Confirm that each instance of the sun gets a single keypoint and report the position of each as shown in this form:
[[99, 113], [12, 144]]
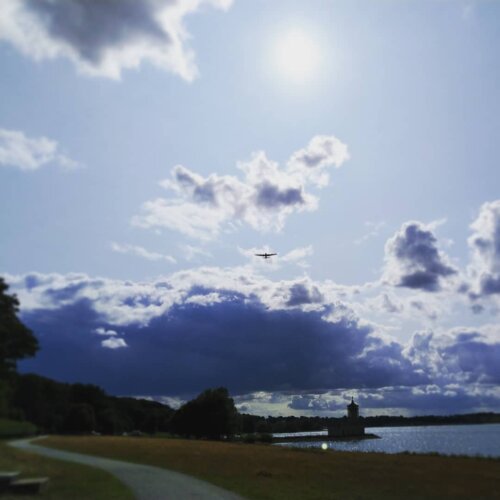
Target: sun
[[296, 56]]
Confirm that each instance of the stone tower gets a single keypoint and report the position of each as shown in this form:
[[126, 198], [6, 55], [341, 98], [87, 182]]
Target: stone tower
[[352, 410]]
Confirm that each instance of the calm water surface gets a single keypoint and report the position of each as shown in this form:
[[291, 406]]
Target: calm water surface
[[481, 439]]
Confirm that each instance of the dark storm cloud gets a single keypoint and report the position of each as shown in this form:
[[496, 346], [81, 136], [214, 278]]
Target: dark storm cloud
[[92, 27], [237, 343], [425, 399], [476, 358], [429, 399], [414, 260], [179, 336]]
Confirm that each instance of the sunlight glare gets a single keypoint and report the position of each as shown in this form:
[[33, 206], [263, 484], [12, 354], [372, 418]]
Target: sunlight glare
[[296, 56]]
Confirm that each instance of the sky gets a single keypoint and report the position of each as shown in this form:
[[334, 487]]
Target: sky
[[149, 149]]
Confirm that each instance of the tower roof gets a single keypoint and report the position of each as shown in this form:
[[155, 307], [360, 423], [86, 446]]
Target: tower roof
[[352, 404]]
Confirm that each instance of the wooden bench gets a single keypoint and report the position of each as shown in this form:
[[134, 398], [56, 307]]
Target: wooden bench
[[6, 479], [27, 486]]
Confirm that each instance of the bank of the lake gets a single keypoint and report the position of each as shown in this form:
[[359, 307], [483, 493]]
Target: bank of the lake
[[272, 472], [472, 440]]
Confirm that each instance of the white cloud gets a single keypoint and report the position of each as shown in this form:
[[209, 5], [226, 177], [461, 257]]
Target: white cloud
[[114, 343], [263, 199], [188, 218], [103, 331], [141, 252], [322, 151], [485, 247], [28, 154], [121, 302], [102, 38], [204, 300]]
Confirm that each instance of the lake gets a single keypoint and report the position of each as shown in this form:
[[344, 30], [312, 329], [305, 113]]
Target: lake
[[483, 439]]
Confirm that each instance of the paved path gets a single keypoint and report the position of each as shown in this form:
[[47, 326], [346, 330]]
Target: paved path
[[147, 482]]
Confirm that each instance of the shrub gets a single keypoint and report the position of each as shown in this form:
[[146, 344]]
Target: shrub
[[14, 428]]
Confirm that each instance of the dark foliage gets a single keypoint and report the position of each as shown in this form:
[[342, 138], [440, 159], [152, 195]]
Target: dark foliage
[[16, 340], [81, 418], [57, 407], [211, 415]]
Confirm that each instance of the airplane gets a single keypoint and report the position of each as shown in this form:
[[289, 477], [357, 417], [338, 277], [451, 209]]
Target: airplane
[[265, 255]]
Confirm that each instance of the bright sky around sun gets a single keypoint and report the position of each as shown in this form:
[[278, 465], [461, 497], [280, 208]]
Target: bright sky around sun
[[149, 149], [296, 57]]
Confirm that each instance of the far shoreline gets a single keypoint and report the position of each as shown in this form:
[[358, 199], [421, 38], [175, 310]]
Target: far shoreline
[[322, 437]]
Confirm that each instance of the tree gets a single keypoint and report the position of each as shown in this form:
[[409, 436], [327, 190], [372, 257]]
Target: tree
[[16, 340], [211, 415], [81, 418]]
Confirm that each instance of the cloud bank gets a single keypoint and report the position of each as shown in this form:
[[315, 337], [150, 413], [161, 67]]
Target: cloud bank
[[207, 327]]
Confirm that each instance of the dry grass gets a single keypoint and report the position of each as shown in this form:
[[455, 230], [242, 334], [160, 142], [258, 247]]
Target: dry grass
[[269, 472], [67, 481]]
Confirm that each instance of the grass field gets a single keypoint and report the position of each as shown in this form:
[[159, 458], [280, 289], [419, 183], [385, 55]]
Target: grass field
[[67, 481], [269, 472]]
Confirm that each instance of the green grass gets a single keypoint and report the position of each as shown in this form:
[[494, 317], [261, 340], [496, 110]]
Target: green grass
[[271, 472], [14, 428], [67, 480]]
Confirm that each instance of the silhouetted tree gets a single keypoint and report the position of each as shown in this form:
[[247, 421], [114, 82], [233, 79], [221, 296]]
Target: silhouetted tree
[[42, 401], [16, 342], [81, 418], [110, 421], [211, 415]]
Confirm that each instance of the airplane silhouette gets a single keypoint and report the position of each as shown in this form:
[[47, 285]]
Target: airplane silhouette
[[265, 255]]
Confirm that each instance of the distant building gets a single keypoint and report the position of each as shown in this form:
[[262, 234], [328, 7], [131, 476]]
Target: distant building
[[350, 425]]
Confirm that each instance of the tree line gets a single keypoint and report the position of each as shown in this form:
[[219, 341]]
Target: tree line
[[289, 424], [56, 407]]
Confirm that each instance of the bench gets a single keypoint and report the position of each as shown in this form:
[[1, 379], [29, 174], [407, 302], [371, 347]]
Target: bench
[[27, 486], [6, 479]]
